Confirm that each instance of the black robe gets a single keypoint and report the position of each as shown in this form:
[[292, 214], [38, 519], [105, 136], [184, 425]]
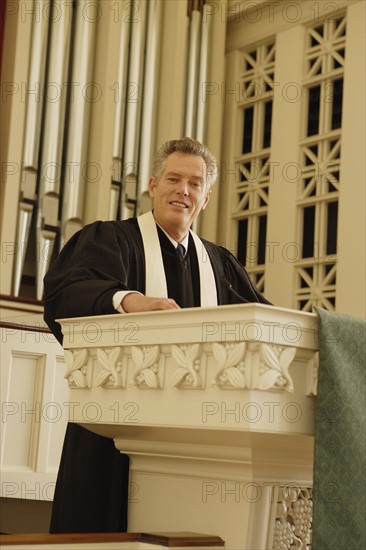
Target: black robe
[[92, 486]]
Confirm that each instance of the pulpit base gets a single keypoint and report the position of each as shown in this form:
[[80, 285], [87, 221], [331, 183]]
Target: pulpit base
[[180, 480]]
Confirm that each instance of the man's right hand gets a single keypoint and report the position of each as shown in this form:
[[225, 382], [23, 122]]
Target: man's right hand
[[134, 302]]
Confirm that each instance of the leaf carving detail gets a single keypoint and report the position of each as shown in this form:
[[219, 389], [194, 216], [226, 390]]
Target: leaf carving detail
[[179, 356], [79, 379], [108, 362], [192, 353], [69, 359], [80, 359], [229, 361], [235, 377], [103, 359], [178, 376], [75, 361], [287, 356], [220, 354], [151, 378], [151, 357], [186, 361], [269, 357], [268, 379], [102, 377], [144, 363], [236, 355], [113, 356], [259, 368], [138, 356], [277, 367]]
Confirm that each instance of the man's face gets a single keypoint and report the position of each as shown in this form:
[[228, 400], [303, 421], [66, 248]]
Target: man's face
[[180, 194]]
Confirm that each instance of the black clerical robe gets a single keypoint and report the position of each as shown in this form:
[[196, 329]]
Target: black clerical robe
[[92, 487]]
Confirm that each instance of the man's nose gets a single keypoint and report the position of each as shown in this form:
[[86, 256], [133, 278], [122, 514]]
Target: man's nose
[[183, 188]]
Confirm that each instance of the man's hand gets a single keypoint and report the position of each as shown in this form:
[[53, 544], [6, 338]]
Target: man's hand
[[134, 302]]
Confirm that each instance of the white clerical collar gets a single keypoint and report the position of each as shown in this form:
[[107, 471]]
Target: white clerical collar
[[155, 280]]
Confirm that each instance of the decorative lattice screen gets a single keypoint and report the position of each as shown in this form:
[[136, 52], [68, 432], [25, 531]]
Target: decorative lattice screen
[[253, 164], [320, 165]]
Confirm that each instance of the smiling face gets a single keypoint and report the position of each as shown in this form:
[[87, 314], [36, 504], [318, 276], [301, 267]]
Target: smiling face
[[180, 193]]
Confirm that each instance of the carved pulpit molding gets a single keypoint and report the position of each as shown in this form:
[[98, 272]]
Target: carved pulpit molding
[[249, 343], [252, 365]]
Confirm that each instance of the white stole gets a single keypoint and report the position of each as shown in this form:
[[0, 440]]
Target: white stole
[[154, 267]]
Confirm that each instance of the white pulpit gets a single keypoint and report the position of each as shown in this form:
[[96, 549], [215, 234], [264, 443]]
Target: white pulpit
[[214, 406]]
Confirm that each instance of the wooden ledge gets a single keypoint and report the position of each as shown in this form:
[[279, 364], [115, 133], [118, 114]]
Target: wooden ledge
[[170, 540], [67, 538], [23, 326], [174, 540]]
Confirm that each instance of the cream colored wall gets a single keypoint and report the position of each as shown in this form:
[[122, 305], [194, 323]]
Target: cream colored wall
[[211, 93], [282, 196]]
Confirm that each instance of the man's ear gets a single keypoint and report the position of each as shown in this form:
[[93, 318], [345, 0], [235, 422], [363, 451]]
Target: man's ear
[[152, 185], [207, 198]]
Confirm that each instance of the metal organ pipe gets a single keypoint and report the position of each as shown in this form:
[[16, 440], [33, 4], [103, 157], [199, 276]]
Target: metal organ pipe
[[120, 115], [203, 75], [30, 168], [52, 143], [76, 169], [133, 110], [147, 144], [192, 74]]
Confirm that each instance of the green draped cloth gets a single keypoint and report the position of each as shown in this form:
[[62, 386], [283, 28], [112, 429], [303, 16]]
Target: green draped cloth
[[339, 520]]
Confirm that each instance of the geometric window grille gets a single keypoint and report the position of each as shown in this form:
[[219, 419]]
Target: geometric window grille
[[253, 164], [320, 163]]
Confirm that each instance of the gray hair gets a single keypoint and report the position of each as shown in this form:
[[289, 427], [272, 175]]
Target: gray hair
[[187, 146]]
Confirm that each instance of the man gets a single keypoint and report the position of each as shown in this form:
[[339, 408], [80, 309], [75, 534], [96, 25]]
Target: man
[[150, 263]]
